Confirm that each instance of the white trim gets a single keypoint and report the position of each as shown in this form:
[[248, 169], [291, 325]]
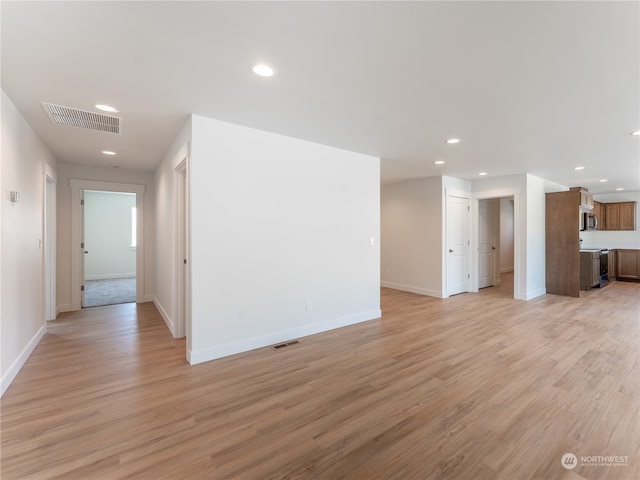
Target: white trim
[[77, 186], [531, 295], [65, 307], [164, 314], [412, 289], [233, 348], [21, 360], [148, 298]]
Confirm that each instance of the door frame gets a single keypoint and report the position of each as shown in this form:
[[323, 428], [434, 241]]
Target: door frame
[[181, 253], [77, 275], [517, 232]]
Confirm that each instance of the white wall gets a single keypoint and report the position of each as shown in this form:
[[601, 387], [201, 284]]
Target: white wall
[[277, 222], [165, 235], [25, 160], [411, 214], [615, 239], [535, 236], [66, 172], [107, 237], [506, 235]]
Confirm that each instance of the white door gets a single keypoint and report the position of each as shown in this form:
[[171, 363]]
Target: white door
[[457, 245], [487, 243]]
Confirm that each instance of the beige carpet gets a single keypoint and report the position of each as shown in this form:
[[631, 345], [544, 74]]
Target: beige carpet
[[109, 292]]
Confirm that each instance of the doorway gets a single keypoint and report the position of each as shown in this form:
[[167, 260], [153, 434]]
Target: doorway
[[110, 243], [78, 187], [488, 242], [494, 252]]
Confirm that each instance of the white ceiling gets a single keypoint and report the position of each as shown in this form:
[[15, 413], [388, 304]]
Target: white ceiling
[[537, 87]]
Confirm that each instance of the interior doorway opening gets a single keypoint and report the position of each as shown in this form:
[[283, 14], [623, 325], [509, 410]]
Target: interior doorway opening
[[496, 241], [110, 244], [78, 187]]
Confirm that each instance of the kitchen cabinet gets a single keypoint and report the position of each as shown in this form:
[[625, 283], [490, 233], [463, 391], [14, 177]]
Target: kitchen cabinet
[[612, 263], [599, 211], [620, 216], [562, 242], [627, 264], [589, 269]]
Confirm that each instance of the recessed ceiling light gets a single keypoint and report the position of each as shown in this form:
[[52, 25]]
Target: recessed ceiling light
[[602, 180], [453, 140], [636, 133], [107, 108], [619, 189], [482, 174], [108, 152], [579, 168], [263, 70], [439, 162]]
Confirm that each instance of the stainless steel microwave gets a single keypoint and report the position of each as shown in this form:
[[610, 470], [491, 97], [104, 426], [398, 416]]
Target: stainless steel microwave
[[589, 221]]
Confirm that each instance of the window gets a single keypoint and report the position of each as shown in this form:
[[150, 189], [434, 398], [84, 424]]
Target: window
[[134, 224]]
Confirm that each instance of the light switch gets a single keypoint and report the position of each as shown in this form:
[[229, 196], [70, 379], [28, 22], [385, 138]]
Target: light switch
[[372, 242]]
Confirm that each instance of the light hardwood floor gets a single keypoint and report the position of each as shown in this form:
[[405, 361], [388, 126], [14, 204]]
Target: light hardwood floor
[[477, 386]]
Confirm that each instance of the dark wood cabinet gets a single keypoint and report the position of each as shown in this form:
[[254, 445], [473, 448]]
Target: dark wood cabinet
[[612, 264], [599, 211], [562, 242], [619, 216], [627, 218], [589, 269], [627, 264]]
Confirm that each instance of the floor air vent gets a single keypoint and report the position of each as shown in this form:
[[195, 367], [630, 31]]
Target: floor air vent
[[73, 117], [286, 344]]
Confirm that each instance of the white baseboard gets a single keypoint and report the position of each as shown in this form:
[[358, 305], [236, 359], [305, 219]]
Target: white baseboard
[[21, 360], [110, 276], [65, 307], [412, 289], [219, 351], [531, 295], [165, 316]]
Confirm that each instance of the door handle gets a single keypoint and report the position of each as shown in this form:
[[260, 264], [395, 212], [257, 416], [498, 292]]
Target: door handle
[[86, 251], [493, 248], [451, 250]]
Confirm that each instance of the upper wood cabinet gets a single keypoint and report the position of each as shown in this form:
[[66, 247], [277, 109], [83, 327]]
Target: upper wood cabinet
[[619, 216], [599, 211]]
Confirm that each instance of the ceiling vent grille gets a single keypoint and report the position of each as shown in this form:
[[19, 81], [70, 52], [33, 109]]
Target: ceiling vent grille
[[72, 117]]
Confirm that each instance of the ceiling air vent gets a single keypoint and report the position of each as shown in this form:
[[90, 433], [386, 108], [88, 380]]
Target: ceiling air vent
[[72, 117]]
